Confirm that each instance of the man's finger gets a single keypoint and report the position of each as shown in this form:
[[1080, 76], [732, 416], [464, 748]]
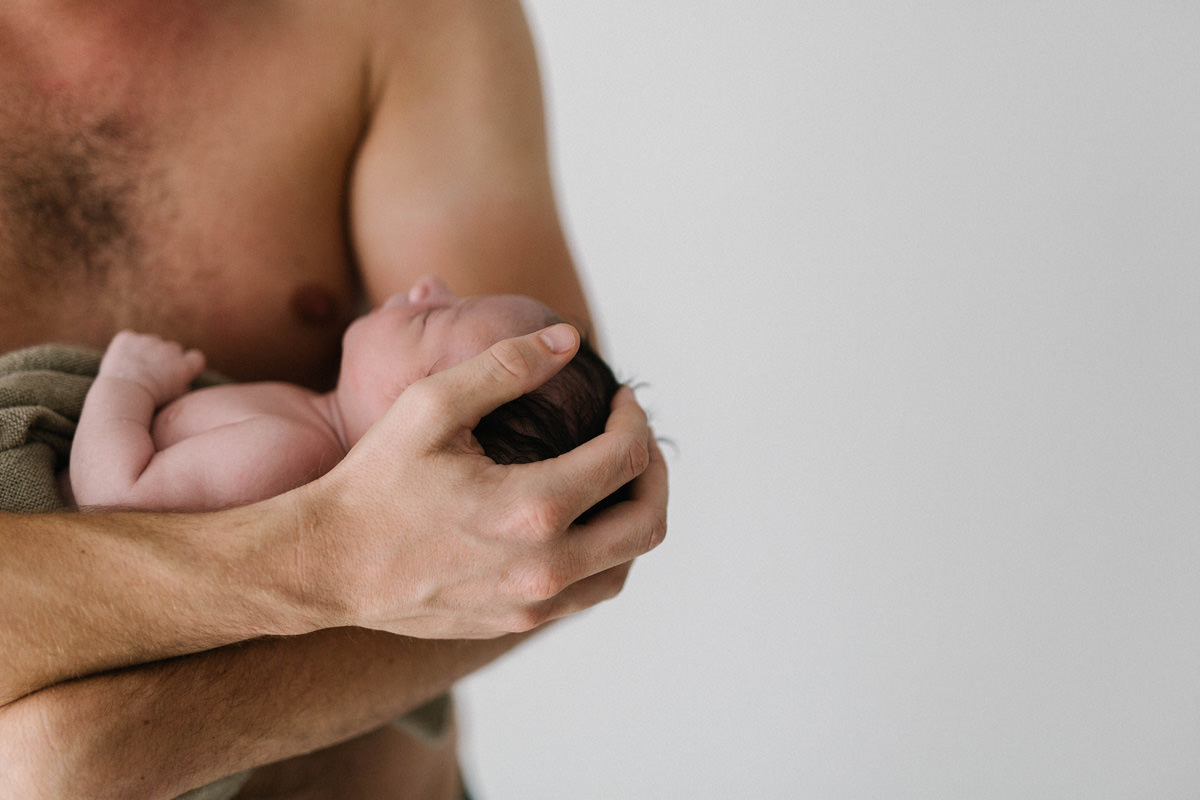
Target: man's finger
[[588, 592], [629, 529], [602, 551], [579, 479], [459, 397]]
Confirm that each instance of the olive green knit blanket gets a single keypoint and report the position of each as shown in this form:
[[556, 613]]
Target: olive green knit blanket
[[41, 394]]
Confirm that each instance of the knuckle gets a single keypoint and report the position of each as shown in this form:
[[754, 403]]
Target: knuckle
[[638, 458], [544, 584], [533, 589], [539, 518], [508, 358], [521, 622], [525, 619], [658, 530], [427, 401]]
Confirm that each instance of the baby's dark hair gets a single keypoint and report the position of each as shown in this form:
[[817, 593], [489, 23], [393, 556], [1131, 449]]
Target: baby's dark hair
[[566, 411]]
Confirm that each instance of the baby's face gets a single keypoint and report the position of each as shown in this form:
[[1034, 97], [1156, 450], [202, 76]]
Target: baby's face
[[428, 329]]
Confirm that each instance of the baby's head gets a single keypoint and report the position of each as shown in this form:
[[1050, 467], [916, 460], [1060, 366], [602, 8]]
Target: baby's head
[[558, 416], [430, 328]]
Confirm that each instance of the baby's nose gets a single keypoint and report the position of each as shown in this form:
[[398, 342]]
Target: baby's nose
[[427, 287]]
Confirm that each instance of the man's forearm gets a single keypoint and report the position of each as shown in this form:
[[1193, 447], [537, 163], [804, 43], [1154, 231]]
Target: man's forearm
[[411, 533], [91, 592], [161, 729]]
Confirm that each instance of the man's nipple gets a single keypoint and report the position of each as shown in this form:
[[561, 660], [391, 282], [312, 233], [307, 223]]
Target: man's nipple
[[315, 306]]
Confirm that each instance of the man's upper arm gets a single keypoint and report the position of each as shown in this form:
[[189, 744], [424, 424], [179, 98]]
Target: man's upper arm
[[452, 177]]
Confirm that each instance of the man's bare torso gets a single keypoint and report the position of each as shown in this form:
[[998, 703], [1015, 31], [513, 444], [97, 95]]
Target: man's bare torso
[[184, 168], [180, 168]]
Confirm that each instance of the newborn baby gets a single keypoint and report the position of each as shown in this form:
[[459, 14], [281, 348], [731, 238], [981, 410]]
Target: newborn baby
[[145, 442]]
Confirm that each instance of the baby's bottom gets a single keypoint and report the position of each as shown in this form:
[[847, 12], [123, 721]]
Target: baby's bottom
[[386, 762]]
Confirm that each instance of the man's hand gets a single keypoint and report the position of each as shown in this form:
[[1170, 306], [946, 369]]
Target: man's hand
[[417, 532]]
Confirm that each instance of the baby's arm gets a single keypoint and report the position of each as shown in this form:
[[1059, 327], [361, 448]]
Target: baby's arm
[[246, 444], [113, 446]]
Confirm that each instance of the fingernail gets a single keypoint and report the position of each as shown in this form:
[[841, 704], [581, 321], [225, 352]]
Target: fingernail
[[559, 338]]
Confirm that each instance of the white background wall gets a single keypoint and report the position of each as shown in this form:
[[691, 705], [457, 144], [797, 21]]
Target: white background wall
[[916, 289]]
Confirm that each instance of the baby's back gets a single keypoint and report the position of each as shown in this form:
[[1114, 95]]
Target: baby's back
[[240, 443]]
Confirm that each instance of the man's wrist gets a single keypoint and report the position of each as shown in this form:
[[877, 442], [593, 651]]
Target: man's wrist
[[287, 566]]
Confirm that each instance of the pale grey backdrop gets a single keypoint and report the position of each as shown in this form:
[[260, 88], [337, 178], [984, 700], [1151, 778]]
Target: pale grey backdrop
[[915, 288]]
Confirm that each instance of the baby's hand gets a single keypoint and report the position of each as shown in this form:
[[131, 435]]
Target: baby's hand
[[164, 369]]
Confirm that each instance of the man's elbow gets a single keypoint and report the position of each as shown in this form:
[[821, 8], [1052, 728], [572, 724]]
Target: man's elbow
[[50, 751], [74, 740], [32, 763]]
